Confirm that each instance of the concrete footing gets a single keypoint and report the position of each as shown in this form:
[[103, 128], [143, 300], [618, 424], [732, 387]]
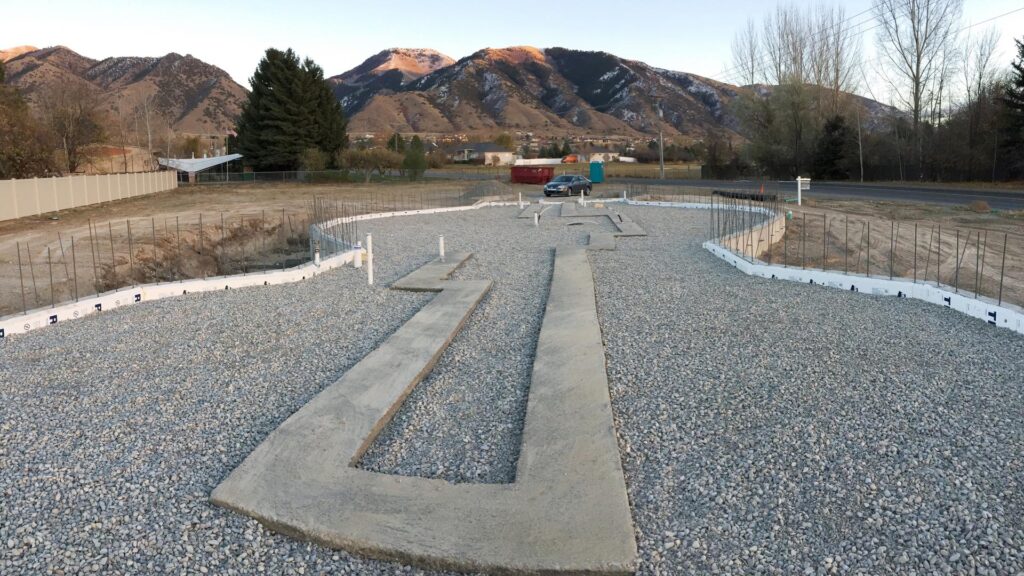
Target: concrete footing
[[566, 513]]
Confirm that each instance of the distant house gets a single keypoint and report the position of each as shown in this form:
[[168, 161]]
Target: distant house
[[487, 153], [602, 154]]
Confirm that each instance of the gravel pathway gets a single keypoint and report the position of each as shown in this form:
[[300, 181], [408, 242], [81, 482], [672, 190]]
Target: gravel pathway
[[770, 427], [762, 430]]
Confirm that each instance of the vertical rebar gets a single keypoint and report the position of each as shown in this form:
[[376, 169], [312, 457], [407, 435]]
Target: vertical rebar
[[1003, 268], [824, 240], [915, 252], [74, 267], [92, 252], [32, 272], [867, 261], [846, 248], [21, 279], [803, 240], [977, 262], [892, 244], [63, 257], [177, 232], [221, 244], [49, 264], [131, 249], [241, 242], [938, 259], [200, 233], [956, 275], [110, 233], [984, 254]]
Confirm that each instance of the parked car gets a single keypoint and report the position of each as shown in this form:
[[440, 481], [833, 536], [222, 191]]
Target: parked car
[[569, 185]]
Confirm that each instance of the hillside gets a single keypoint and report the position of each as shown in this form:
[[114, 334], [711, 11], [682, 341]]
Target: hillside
[[183, 93], [550, 92], [553, 91]]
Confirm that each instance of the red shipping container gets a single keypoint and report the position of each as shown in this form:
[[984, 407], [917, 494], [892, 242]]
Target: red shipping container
[[532, 174]]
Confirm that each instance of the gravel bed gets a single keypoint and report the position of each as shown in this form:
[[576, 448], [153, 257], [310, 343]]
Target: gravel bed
[[761, 429], [115, 428], [770, 427], [464, 422]]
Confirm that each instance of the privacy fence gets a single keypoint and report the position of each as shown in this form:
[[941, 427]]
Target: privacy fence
[[35, 196]]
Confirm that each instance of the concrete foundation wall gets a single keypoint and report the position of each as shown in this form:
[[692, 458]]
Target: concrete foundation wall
[[32, 197]]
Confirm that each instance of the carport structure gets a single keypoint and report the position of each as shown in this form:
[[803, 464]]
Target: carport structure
[[193, 165]]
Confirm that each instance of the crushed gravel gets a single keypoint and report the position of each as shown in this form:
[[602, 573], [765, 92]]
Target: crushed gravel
[[770, 427], [765, 427]]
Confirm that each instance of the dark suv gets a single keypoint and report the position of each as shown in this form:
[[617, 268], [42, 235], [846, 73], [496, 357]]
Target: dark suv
[[568, 185]]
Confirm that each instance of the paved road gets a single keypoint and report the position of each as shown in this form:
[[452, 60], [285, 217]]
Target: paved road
[[998, 199]]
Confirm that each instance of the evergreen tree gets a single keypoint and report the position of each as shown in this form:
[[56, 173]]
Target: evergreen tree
[[289, 111], [1014, 101], [829, 157], [396, 143], [415, 161], [566, 148], [3, 74]]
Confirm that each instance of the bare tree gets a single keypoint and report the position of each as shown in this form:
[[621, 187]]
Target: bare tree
[[746, 54], [71, 112], [979, 76], [844, 51], [912, 39]]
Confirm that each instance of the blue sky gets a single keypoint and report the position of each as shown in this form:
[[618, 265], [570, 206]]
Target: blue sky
[[688, 36]]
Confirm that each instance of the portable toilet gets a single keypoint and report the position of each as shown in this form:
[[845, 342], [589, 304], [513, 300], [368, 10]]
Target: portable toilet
[[596, 172]]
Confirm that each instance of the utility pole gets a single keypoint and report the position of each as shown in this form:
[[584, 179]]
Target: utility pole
[[661, 154]]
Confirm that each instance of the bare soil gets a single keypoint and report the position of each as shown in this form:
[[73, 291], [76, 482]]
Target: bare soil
[[189, 232]]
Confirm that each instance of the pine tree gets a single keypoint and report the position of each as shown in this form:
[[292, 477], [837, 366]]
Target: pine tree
[[396, 143], [3, 74], [415, 161], [289, 111], [1014, 100], [831, 151]]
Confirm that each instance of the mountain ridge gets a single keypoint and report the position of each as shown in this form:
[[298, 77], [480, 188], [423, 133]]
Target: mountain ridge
[[182, 93]]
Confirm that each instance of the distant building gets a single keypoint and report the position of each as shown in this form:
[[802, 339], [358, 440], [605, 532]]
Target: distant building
[[601, 154], [486, 153]]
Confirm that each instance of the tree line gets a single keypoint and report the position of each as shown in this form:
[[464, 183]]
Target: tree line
[[942, 106]]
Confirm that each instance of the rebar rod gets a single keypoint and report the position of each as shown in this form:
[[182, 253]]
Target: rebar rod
[[21, 279], [1003, 268], [74, 267]]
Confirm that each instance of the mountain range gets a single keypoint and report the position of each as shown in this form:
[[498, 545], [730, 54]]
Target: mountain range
[[550, 92], [182, 93]]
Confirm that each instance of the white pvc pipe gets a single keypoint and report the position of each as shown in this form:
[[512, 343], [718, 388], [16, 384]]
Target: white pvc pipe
[[316, 254], [520, 200], [536, 219], [440, 247], [358, 260], [369, 259]]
